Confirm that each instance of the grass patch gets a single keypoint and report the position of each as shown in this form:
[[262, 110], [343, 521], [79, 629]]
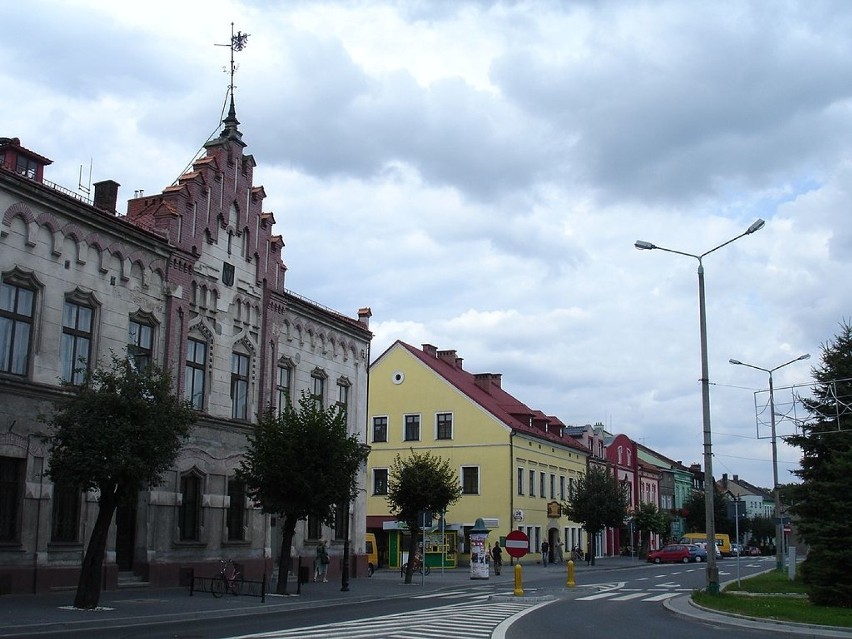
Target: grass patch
[[769, 601]]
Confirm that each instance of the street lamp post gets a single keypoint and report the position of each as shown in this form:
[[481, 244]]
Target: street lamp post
[[712, 569], [779, 524]]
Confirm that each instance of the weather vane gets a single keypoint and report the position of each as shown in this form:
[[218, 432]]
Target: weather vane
[[238, 43]]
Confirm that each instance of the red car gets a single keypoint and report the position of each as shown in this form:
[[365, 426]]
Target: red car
[[678, 553]]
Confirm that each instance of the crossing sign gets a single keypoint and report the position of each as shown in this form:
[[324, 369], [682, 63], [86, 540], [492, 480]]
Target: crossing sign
[[517, 544]]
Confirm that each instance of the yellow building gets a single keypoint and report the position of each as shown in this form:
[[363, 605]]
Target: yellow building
[[515, 464]]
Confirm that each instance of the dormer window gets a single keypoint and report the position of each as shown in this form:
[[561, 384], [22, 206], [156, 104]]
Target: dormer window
[[26, 166]]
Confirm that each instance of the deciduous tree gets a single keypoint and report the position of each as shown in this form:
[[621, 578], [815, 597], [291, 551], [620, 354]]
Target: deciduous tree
[[114, 435], [418, 483], [598, 501], [298, 464]]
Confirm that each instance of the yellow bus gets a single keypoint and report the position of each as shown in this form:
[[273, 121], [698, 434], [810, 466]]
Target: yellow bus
[[723, 541]]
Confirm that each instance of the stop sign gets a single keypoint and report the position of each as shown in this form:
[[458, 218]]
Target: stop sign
[[517, 543]]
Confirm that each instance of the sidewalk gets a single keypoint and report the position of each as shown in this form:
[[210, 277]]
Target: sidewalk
[[29, 615]]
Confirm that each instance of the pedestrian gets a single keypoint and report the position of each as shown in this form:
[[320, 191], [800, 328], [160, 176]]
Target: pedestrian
[[497, 557], [559, 556], [321, 562], [545, 549]]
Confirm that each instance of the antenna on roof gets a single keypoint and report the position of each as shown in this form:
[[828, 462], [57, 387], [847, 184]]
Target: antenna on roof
[[85, 188]]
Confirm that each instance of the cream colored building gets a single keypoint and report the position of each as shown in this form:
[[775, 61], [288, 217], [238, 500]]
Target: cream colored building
[[515, 464]]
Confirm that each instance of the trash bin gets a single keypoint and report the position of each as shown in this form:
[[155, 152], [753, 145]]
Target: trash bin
[[304, 573]]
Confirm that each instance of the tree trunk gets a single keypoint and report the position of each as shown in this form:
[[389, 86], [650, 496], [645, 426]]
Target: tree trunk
[[284, 559], [91, 572], [412, 550]]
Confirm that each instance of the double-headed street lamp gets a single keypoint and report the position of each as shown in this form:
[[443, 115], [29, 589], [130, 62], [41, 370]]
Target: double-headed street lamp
[[709, 487], [779, 524]]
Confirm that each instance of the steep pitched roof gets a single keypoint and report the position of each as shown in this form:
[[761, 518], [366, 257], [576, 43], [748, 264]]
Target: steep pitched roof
[[486, 390]]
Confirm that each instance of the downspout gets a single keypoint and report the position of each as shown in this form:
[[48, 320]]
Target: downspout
[[512, 475]]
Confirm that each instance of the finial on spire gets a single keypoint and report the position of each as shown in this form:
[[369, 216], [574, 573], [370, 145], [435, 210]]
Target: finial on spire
[[238, 43]]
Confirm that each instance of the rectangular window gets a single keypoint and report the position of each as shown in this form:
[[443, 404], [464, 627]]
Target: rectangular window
[[196, 361], [562, 487], [26, 166], [318, 391], [76, 341], [412, 428], [343, 398], [552, 486], [380, 429], [470, 480], [542, 485], [239, 386], [66, 513], [340, 522], [380, 481], [140, 344], [236, 509], [189, 513], [444, 426], [11, 490], [16, 327], [532, 483], [314, 527], [520, 481], [282, 387]]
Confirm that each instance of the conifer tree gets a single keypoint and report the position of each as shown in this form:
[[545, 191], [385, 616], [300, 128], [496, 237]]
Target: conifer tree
[[822, 503]]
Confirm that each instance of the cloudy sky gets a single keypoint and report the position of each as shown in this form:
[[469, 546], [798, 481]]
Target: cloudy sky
[[478, 172]]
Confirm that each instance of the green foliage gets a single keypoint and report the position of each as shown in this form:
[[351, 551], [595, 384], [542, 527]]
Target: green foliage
[[416, 483], [822, 502], [119, 431], [785, 602], [598, 501], [649, 520], [695, 512], [421, 482], [302, 462], [116, 433]]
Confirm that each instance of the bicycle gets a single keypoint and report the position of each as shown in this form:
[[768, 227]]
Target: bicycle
[[229, 580], [418, 567]]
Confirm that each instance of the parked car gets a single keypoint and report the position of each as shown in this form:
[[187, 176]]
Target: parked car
[[698, 553], [754, 551], [671, 553], [703, 546], [736, 549]]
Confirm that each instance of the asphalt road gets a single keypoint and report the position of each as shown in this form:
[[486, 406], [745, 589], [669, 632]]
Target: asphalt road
[[614, 603]]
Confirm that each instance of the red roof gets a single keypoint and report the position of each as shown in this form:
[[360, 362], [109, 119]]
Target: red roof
[[485, 389]]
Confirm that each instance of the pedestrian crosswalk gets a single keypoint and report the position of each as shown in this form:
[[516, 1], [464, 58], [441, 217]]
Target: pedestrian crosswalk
[[467, 620]]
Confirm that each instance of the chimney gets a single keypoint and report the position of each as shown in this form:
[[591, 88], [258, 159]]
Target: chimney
[[364, 315], [430, 350], [736, 479], [106, 195], [483, 381], [450, 358]]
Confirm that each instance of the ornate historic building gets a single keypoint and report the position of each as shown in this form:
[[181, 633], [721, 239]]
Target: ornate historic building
[[193, 279]]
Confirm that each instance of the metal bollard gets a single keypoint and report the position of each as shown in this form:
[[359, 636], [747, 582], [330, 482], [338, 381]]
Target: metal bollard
[[570, 583], [519, 586]]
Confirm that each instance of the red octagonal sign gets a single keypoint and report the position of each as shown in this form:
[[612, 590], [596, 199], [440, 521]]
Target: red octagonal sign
[[517, 543]]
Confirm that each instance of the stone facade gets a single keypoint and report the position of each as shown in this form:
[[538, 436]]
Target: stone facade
[[193, 279]]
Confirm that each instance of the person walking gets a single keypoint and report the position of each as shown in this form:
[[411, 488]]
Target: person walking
[[545, 549], [497, 557], [559, 556], [321, 563]]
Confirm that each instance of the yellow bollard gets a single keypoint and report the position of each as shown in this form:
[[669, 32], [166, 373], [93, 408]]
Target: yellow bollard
[[570, 583], [519, 586]]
